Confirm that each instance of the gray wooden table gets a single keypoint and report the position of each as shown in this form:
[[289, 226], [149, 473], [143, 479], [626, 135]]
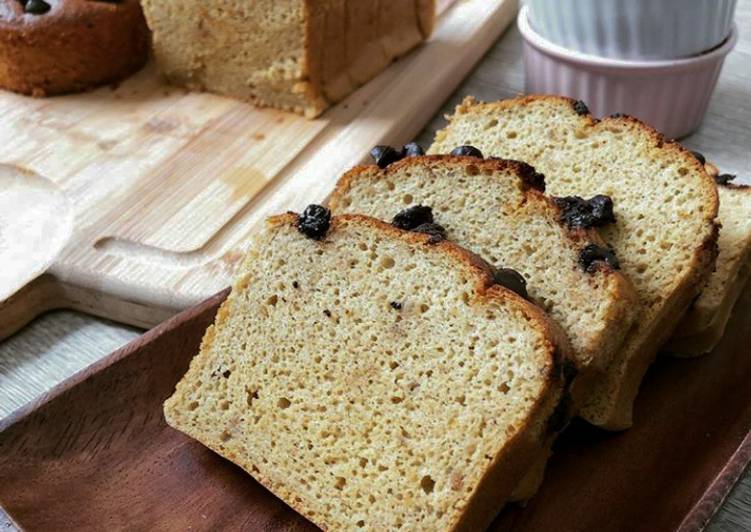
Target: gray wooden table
[[61, 343]]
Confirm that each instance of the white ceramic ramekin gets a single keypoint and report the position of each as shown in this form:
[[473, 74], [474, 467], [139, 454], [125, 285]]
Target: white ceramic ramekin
[[672, 96], [634, 29]]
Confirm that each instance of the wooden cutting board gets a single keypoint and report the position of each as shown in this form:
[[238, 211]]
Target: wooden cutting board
[[95, 452], [135, 202]]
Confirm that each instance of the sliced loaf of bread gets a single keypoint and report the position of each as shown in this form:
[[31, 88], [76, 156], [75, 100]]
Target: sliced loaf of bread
[[498, 209], [665, 234], [374, 378], [704, 324]]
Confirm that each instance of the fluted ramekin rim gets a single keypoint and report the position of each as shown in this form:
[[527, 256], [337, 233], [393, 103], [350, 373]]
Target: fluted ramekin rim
[[573, 56]]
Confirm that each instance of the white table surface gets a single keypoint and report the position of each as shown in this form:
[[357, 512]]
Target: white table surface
[[60, 343]]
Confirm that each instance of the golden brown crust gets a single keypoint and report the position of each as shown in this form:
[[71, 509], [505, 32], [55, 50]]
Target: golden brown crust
[[620, 286], [511, 461], [658, 138], [478, 267], [485, 286], [618, 415], [519, 168], [75, 46]]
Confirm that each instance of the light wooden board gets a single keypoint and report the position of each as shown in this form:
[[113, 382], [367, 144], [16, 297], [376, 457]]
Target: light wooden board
[[152, 191], [61, 343]]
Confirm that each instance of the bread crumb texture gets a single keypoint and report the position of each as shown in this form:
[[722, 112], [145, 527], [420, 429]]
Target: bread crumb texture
[[735, 247], [665, 206], [487, 207], [296, 55], [361, 413]]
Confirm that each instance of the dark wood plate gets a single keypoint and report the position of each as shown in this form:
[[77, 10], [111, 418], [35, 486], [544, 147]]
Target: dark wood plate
[[95, 452]]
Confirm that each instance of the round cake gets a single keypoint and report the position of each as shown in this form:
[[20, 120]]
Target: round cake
[[60, 46]]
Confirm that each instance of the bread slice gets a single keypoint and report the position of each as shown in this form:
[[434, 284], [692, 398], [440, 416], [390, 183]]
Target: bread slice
[[665, 234], [705, 340], [498, 209], [704, 324], [374, 378]]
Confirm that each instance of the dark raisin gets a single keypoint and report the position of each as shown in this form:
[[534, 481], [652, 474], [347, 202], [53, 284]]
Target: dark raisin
[[617, 115], [295, 284], [226, 373], [591, 254], [410, 218], [412, 149], [512, 280], [699, 157], [436, 232], [581, 108], [467, 151], [36, 7], [602, 210], [532, 178], [327, 312], [724, 179], [314, 221], [577, 212], [396, 305], [384, 155]]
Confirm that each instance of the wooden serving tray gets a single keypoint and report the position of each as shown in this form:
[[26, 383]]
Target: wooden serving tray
[[95, 452]]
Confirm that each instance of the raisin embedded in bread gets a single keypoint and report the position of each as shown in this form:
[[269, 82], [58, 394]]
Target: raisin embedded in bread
[[59, 46], [492, 208], [363, 414], [665, 235], [704, 323], [496, 208], [297, 55]]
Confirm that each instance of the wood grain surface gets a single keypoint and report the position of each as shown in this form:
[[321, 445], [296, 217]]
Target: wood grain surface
[[60, 343], [96, 451], [161, 186]]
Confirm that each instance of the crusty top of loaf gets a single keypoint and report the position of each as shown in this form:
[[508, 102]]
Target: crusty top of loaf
[[665, 203], [495, 207], [358, 412], [476, 267]]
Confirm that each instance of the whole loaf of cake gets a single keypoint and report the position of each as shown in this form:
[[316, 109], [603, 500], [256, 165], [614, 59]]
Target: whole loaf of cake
[[297, 55]]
